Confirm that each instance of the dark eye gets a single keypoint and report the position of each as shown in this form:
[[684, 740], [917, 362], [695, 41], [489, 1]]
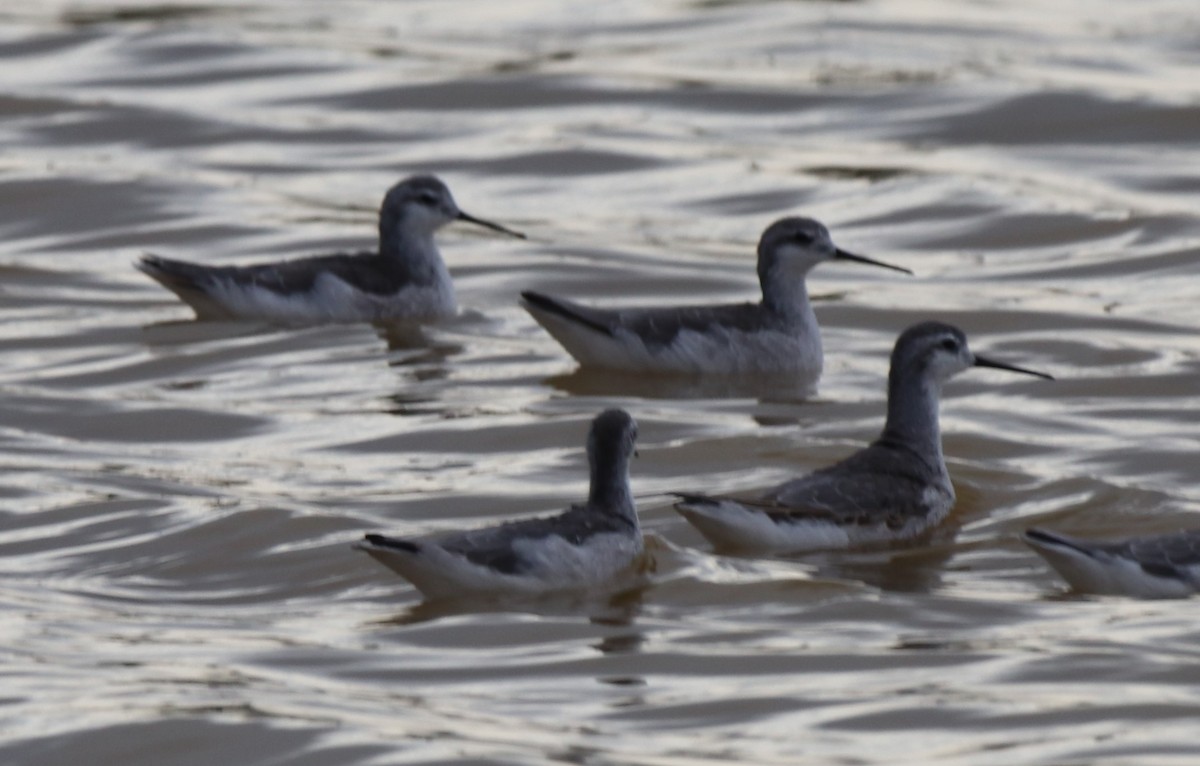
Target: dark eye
[[427, 198], [950, 344]]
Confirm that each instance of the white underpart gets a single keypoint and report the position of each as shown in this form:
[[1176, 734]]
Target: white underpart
[[719, 350], [1107, 575], [732, 525], [332, 300], [729, 524], [555, 565]]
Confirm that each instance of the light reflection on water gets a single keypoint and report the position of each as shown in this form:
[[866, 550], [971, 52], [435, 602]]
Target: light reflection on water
[[179, 497]]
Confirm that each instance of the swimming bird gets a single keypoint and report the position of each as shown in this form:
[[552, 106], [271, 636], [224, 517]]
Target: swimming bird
[[1157, 566], [404, 278], [587, 545], [779, 334], [893, 490]]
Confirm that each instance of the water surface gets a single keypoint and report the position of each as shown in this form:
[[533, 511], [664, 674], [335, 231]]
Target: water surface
[[179, 497]]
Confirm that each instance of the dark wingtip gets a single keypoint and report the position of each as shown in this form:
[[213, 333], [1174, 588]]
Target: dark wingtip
[[1039, 537], [687, 497], [148, 261], [167, 269], [534, 300], [381, 541]]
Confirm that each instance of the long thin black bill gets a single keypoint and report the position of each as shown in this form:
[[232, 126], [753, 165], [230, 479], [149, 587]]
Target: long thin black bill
[[845, 256], [489, 225], [985, 362]]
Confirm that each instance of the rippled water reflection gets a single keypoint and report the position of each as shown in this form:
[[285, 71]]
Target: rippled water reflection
[[179, 497]]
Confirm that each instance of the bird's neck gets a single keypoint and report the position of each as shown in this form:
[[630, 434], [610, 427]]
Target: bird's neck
[[610, 488], [787, 294], [912, 417], [415, 249]]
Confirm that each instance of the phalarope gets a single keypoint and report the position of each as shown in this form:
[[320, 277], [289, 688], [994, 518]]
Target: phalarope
[[777, 335], [1157, 566], [587, 545], [895, 489], [405, 278]]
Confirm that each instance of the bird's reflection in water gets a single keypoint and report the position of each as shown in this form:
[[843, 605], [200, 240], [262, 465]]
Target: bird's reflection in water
[[411, 345], [175, 332], [608, 608], [423, 355], [767, 388], [411, 402], [897, 569]]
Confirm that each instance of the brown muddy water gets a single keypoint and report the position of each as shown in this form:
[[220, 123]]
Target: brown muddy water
[[179, 498]]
